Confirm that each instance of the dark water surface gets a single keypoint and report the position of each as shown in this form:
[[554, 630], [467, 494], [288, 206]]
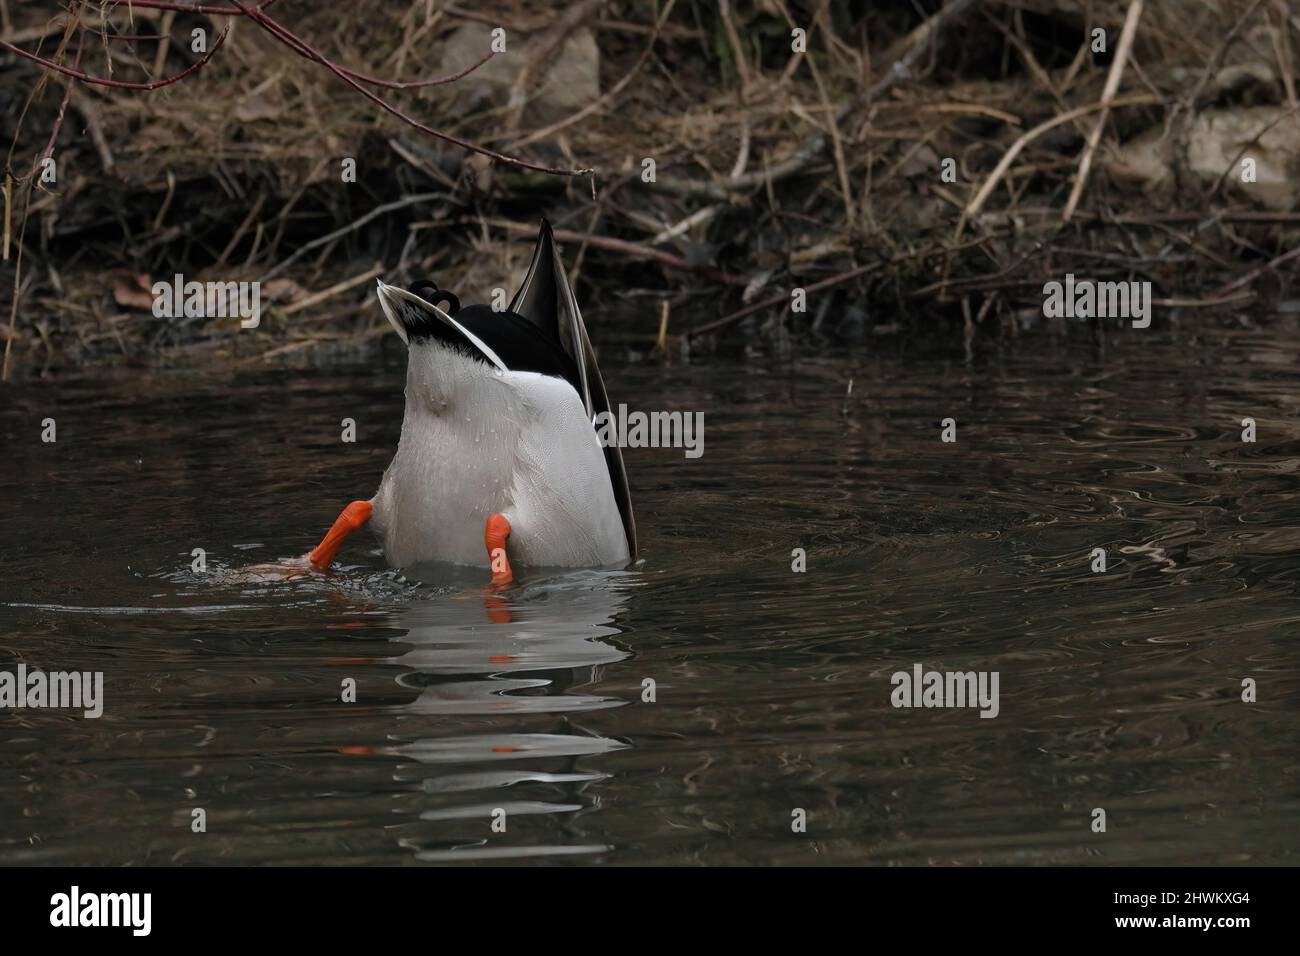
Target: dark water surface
[[1119, 690]]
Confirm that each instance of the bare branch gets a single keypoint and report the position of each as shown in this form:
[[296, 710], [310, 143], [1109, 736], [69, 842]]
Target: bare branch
[[117, 84], [186, 7]]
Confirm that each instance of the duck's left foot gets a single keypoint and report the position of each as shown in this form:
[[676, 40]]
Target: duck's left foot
[[494, 536]]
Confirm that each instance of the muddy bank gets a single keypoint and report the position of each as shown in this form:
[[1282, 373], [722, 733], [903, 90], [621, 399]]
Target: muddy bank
[[713, 170]]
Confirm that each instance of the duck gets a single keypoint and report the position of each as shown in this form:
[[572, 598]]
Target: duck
[[499, 459]]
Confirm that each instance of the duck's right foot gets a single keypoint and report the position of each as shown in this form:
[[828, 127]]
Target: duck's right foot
[[494, 536], [352, 518]]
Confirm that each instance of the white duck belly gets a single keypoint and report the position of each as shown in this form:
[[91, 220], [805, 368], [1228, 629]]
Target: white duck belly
[[478, 441]]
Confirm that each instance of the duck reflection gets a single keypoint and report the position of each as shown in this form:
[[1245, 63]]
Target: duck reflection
[[508, 671]]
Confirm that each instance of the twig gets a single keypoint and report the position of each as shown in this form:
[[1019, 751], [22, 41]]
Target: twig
[[117, 84], [58, 121], [611, 244], [1180, 303], [1107, 94], [972, 109], [350, 227], [837, 148], [737, 48], [1282, 50], [133, 37], [690, 222], [8, 204], [419, 84], [239, 233], [185, 7], [781, 297], [334, 290], [1255, 273], [742, 154], [160, 55], [96, 129], [1153, 218]]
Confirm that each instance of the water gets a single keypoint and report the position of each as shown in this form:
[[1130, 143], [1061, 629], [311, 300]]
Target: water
[[1119, 690]]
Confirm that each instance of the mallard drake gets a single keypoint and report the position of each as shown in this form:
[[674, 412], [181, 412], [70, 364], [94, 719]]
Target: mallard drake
[[499, 457]]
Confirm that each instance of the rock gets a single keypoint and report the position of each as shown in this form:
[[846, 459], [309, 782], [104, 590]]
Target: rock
[[556, 90], [1215, 141]]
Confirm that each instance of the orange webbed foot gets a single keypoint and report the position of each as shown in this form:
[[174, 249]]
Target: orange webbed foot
[[494, 536], [353, 517]]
